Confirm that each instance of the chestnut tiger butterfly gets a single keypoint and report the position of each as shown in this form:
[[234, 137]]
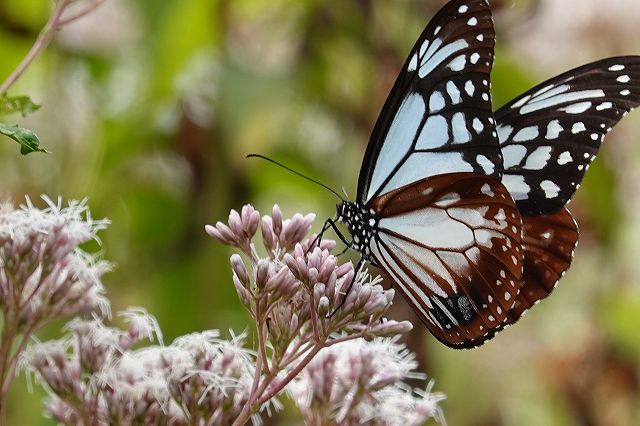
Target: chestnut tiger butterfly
[[464, 208]]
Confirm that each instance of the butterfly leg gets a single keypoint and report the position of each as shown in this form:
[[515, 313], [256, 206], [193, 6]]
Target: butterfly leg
[[344, 299], [329, 223]]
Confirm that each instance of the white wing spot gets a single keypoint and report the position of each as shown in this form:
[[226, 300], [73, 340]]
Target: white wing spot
[[413, 64], [480, 37], [475, 57], [604, 105], [616, 68], [463, 9], [518, 188], [434, 134], [458, 63], [578, 127], [539, 158], [623, 79], [578, 108], [485, 96], [486, 164], [565, 158], [559, 95], [459, 128], [551, 190], [594, 136], [527, 134], [477, 125], [423, 47], [453, 92], [472, 22], [470, 88], [554, 129], [625, 92], [507, 296], [486, 190], [521, 102], [504, 132], [436, 102]]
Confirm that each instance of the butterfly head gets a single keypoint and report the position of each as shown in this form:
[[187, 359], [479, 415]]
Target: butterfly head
[[361, 223]]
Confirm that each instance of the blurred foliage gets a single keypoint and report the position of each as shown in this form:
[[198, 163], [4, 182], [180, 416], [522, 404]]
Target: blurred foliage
[[17, 104], [149, 108], [28, 140]]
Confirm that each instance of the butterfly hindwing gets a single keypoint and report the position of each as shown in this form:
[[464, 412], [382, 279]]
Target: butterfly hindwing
[[438, 117], [550, 135], [548, 242], [452, 244]]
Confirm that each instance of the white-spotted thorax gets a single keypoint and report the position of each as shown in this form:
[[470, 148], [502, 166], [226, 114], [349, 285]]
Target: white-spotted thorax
[[361, 223]]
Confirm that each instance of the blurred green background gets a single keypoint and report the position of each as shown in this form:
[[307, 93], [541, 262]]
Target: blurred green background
[[150, 106]]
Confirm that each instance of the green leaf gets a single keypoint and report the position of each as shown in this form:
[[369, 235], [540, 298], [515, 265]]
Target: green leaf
[[22, 104], [28, 140]]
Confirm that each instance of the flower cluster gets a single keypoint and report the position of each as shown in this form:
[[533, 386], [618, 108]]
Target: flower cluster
[[44, 275], [94, 377], [304, 302], [361, 382], [321, 337]]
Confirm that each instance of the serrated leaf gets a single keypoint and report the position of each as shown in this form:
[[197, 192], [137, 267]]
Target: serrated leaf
[[12, 104], [28, 140]]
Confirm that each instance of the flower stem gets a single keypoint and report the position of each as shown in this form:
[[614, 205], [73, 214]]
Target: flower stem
[[42, 41], [292, 375], [6, 343], [79, 14]]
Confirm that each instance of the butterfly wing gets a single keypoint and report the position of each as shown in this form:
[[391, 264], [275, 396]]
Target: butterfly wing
[[438, 117], [550, 134], [452, 244], [548, 242]]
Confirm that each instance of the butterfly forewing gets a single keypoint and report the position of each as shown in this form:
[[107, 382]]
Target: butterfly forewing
[[452, 244], [548, 242], [550, 134], [438, 117]]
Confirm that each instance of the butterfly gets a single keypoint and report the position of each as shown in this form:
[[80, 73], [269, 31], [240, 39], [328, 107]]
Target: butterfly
[[548, 138], [463, 208]]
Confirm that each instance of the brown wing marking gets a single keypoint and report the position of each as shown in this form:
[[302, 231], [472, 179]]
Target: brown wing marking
[[452, 244]]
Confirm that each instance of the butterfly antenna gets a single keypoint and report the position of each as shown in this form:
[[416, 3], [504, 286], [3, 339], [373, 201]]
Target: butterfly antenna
[[297, 173]]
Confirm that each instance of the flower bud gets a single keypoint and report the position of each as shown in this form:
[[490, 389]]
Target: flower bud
[[243, 293], [276, 216], [237, 265], [323, 306], [235, 223], [268, 237], [318, 291], [262, 273]]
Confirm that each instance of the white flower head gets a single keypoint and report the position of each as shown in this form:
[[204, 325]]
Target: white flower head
[[41, 262], [359, 381]]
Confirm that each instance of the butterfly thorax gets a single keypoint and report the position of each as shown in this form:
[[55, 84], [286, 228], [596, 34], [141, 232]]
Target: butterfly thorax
[[361, 223]]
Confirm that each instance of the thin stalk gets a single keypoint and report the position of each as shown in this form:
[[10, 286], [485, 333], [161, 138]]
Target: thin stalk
[[44, 38], [292, 375], [80, 13]]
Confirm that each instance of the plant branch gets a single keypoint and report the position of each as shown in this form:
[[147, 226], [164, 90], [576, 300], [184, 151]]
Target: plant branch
[[80, 13], [292, 374], [42, 41]]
